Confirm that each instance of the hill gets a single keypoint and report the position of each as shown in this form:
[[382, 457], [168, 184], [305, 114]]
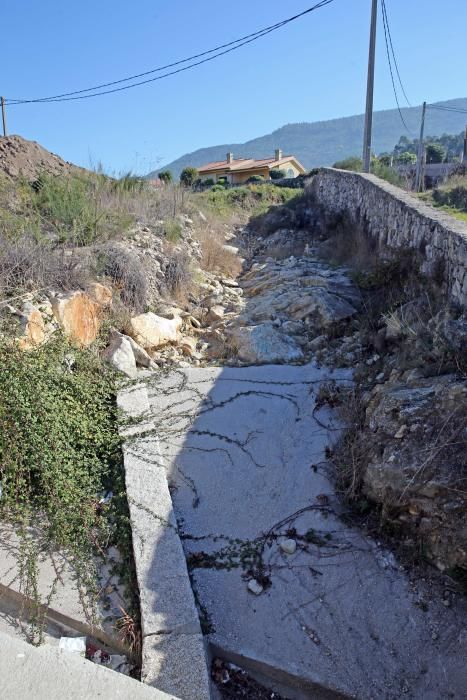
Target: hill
[[20, 157], [322, 143]]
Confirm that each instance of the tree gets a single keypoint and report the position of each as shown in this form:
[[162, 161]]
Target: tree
[[166, 176], [188, 176], [385, 158], [277, 174], [435, 153], [406, 158]]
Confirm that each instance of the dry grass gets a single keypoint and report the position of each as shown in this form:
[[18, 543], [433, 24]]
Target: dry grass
[[215, 256], [126, 272], [27, 264], [179, 276]]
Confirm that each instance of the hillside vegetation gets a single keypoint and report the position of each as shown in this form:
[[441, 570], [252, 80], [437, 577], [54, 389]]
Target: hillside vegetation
[[322, 143]]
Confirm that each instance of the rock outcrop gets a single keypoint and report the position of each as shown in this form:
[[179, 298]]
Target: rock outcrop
[[78, 315]]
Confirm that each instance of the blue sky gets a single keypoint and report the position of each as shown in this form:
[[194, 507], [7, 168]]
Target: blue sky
[[311, 70]]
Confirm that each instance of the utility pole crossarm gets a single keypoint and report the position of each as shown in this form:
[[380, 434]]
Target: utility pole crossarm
[[369, 90]]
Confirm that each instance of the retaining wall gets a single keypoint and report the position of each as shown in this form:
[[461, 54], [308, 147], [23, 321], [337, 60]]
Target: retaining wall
[[398, 220]]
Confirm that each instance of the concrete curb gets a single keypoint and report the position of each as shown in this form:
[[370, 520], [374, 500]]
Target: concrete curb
[[174, 654], [50, 673]]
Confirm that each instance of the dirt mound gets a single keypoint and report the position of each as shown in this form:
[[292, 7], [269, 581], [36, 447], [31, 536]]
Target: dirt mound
[[27, 158]]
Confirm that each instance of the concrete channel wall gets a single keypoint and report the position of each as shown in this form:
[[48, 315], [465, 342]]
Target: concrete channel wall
[[398, 221], [174, 658]]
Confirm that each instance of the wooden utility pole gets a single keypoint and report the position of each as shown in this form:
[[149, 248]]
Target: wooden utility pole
[[418, 174], [369, 90], [464, 154], [3, 116]]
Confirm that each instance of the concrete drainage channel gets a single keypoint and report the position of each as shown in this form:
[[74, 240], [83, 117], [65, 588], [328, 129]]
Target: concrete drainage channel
[[223, 465]]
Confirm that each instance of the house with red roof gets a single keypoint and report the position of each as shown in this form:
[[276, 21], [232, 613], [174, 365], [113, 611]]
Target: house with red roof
[[238, 170]]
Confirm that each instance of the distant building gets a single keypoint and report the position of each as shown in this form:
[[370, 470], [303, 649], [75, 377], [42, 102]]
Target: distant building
[[238, 170]]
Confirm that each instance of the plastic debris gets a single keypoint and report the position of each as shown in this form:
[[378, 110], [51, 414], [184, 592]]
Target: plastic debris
[[255, 587], [77, 645], [106, 497]]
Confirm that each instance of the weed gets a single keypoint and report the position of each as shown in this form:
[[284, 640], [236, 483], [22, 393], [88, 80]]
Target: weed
[[173, 230], [126, 273], [59, 450]]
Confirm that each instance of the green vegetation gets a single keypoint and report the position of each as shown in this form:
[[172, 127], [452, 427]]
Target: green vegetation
[[188, 176], [59, 454], [351, 163], [446, 147], [450, 196], [277, 174], [173, 230], [251, 200], [166, 176], [379, 167]]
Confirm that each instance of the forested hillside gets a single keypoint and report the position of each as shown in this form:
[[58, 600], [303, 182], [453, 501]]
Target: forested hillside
[[322, 143]]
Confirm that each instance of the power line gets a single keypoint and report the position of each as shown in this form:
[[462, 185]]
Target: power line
[[392, 74], [448, 109], [385, 13], [229, 47]]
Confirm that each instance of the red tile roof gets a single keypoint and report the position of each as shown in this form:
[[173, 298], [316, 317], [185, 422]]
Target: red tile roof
[[246, 164]]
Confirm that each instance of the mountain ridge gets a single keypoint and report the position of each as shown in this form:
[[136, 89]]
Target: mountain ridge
[[323, 142]]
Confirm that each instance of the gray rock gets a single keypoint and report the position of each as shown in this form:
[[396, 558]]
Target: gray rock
[[263, 344], [255, 587], [288, 545], [120, 354]]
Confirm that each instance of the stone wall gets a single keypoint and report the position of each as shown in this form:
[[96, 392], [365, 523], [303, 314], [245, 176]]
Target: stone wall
[[398, 220]]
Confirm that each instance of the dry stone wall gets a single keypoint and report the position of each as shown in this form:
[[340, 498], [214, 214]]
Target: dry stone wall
[[398, 221]]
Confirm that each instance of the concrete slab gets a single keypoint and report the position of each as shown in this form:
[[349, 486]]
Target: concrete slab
[[49, 673], [244, 452], [174, 657]]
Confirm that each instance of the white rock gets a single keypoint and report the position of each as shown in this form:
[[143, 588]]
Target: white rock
[[120, 354], [152, 331], [141, 356], [288, 545], [255, 587]]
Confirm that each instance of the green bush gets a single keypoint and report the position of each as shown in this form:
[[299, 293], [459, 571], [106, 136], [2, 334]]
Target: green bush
[[254, 178], [166, 176], [82, 209], [351, 163], [277, 174], [209, 182], [188, 176], [453, 193], [59, 452], [173, 230]]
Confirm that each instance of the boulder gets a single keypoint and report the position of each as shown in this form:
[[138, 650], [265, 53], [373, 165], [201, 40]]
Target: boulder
[[100, 293], [141, 356], [78, 316], [264, 344], [215, 313], [32, 327], [120, 355], [153, 331]]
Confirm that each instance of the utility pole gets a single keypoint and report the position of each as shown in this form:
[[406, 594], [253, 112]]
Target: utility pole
[[369, 90], [418, 174], [464, 154], [3, 116]]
